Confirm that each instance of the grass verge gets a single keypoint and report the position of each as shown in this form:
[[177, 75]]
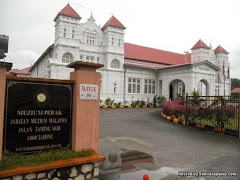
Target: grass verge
[[12, 161]]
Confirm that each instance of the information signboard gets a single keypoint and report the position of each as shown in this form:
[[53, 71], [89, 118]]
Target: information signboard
[[37, 117]]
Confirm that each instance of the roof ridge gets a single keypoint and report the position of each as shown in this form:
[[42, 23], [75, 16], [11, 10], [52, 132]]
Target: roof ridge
[[200, 44], [154, 48], [220, 49], [68, 11], [113, 21]]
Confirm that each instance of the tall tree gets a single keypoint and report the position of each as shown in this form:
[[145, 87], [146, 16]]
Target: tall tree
[[235, 83]]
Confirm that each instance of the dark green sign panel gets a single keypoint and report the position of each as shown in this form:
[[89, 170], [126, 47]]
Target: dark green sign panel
[[37, 117]]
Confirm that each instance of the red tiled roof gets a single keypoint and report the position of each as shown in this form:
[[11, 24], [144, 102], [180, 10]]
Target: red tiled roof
[[200, 44], [113, 22], [13, 70], [23, 71], [192, 63], [137, 52], [236, 90], [68, 11], [143, 64], [220, 49]]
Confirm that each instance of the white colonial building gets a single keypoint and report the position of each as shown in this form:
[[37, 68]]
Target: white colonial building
[[131, 72]]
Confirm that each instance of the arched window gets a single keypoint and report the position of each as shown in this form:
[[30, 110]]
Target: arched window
[[115, 64], [67, 58]]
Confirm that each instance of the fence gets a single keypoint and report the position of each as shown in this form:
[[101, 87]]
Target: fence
[[216, 113]]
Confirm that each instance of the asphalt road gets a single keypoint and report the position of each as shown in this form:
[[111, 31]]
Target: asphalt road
[[172, 145]]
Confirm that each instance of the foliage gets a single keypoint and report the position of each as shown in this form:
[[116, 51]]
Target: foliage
[[175, 107], [220, 113], [179, 96], [196, 97], [101, 101], [136, 103], [162, 98], [125, 102], [119, 103], [109, 101], [142, 103], [235, 83], [11, 160]]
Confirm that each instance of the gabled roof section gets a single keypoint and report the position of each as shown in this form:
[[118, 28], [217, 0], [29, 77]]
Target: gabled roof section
[[113, 22], [193, 63], [136, 52], [220, 49], [48, 50], [236, 90], [200, 44], [144, 64], [68, 11], [23, 71]]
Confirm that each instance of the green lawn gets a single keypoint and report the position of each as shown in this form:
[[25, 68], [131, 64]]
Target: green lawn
[[229, 124], [11, 161]]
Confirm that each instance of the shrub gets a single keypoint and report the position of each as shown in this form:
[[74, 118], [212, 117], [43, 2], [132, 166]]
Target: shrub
[[162, 98], [175, 107], [119, 103], [134, 104], [196, 97], [179, 96], [137, 102], [142, 103], [125, 102], [109, 101]]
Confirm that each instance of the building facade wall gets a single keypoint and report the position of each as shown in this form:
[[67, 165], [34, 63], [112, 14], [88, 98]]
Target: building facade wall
[[88, 42]]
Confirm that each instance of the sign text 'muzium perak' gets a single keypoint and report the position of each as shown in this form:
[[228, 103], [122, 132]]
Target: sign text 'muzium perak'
[[37, 117]]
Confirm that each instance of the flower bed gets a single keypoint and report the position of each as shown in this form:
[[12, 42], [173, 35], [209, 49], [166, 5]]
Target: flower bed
[[175, 107], [215, 117]]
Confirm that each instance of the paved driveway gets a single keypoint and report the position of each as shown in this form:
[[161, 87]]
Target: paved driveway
[[171, 145]]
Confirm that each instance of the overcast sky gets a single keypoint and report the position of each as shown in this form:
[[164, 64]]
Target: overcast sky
[[172, 25]]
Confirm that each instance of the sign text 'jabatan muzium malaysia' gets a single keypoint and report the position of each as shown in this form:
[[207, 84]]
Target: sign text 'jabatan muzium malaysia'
[[37, 117]]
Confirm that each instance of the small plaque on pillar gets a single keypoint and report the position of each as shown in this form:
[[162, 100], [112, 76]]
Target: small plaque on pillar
[[88, 92]]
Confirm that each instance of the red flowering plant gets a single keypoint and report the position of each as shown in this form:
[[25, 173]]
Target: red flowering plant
[[175, 107], [218, 115]]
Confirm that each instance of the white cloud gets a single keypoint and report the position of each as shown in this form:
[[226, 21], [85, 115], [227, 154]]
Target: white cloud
[[171, 25], [36, 38], [21, 59], [235, 63]]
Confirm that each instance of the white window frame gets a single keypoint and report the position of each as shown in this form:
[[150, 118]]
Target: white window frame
[[134, 85], [112, 41], [115, 88], [115, 64], [150, 86], [98, 60], [64, 32], [180, 88], [119, 42], [73, 33], [89, 58], [90, 40], [81, 57], [67, 58]]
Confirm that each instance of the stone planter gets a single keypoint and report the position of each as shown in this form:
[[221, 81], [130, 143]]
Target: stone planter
[[74, 169]]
